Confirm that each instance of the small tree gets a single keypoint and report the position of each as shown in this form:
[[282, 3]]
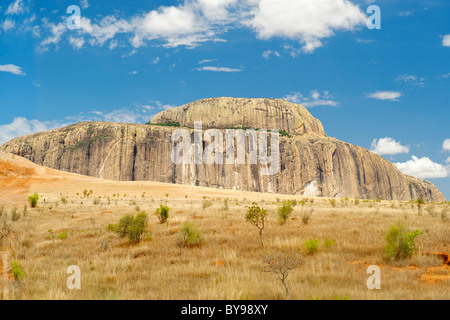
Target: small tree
[[285, 211], [163, 213], [282, 264], [257, 216], [400, 243], [33, 200], [420, 202]]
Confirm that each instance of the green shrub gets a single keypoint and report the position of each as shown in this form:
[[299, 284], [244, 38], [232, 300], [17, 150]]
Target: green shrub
[[17, 271], [329, 243], [312, 246], [33, 200], [189, 235], [62, 236], [111, 227], [64, 200], [400, 243], [285, 211], [163, 213], [257, 216], [133, 227]]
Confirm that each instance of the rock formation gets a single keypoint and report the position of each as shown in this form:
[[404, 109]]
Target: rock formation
[[311, 163]]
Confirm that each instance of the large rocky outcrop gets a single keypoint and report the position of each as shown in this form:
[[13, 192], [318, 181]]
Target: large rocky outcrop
[[310, 162]]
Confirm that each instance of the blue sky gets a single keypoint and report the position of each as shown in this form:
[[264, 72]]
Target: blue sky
[[387, 90]]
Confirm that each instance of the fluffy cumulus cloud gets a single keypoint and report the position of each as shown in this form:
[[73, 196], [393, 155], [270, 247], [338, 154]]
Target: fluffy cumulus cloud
[[315, 99], [446, 40], [306, 21], [7, 25], [11, 68], [388, 146], [16, 8], [423, 168], [446, 145], [193, 22], [385, 95], [21, 126]]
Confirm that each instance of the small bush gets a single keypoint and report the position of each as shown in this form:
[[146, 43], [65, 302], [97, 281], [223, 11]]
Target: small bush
[[64, 200], [420, 203], [329, 243], [133, 227], [15, 215], [307, 216], [206, 203], [33, 200], [333, 203], [17, 270], [285, 211], [189, 236], [312, 246], [163, 213], [400, 243], [62, 236]]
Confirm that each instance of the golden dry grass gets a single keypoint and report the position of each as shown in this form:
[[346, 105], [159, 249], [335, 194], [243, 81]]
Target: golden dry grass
[[228, 265]]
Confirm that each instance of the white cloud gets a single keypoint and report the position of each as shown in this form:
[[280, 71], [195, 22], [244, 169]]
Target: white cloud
[[388, 146], [17, 7], [307, 21], [7, 25], [156, 60], [446, 145], [22, 126], [56, 31], [206, 61], [135, 72], [266, 54], [77, 43], [423, 168], [219, 69], [446, 40], [448, 160], [411, 79], [12, 69], [193, 22], [314, 100], [84, 4], [385, 95]]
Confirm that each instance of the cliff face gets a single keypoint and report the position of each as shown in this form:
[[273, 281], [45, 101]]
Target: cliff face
[[311, 163]]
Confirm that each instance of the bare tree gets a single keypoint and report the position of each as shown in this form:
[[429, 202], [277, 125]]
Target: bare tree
[[282, 264]]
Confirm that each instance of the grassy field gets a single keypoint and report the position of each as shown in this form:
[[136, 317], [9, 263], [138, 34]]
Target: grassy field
[[228, 265]]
